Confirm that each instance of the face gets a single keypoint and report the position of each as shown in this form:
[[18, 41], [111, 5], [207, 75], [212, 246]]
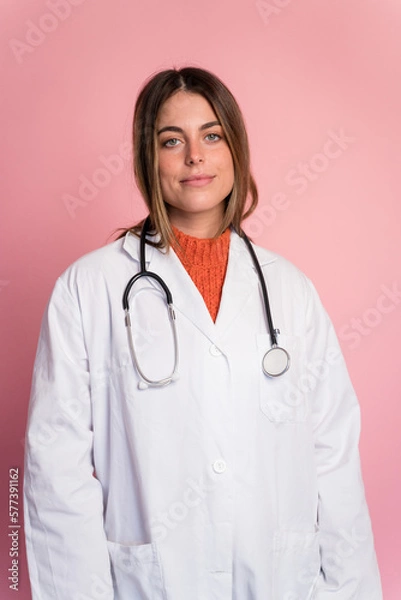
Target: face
[[195, 164]]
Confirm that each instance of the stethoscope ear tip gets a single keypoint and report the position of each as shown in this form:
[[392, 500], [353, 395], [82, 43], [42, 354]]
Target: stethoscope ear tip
[[142, 385]]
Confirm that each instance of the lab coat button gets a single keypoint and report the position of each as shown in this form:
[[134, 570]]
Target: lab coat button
[[219, 466], [214, 351]]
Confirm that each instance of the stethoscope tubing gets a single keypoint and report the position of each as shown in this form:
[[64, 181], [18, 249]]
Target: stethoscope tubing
[[269, 363], [272, 331], [151, 275], [146, 381]]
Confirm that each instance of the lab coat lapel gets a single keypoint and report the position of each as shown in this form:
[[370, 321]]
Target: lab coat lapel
[[240, 282], [187, 300]]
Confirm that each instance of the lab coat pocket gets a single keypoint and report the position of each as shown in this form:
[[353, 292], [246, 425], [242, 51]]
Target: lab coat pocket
[[282, 399], [296, 565], [136, 572]]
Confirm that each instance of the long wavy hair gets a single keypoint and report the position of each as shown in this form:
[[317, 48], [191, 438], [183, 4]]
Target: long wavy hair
[[243, 198]]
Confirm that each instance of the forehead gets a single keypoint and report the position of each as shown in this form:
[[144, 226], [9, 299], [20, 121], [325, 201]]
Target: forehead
[[183, 107]]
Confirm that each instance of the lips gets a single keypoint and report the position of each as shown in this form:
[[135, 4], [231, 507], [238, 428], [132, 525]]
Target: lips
[[197, 180]]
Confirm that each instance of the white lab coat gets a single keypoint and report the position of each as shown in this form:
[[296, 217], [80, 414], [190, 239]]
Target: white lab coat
[[225, 484]]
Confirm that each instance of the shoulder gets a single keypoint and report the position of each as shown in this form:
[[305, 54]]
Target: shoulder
[[291, 289], [287, 284], [103, 266], [275, 264], [97, 259]]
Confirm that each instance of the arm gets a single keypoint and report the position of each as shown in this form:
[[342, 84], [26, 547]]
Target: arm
[[66, 544], [349, 567]]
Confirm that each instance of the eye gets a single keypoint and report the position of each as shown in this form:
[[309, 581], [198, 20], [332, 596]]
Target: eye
[[213, 137], [171, 142]]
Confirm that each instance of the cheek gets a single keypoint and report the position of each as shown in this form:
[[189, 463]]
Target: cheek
[[164, 173], [229, 169], [167, 168], [226, 162]]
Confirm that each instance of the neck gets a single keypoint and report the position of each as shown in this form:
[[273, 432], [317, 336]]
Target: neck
[[196, 225]]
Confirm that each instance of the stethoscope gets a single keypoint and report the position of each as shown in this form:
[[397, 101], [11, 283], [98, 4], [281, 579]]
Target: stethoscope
[[275, 362]]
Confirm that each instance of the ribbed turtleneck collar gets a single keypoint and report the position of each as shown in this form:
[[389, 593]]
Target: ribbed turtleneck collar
[[205, 260], [202, 252]]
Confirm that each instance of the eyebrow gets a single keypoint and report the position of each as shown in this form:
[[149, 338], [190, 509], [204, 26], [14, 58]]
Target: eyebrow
[[179, 130]]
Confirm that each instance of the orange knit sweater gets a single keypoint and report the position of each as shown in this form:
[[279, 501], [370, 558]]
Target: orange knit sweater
[[205, 260]]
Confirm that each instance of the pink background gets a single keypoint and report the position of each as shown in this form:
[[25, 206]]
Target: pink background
[[303, 71]]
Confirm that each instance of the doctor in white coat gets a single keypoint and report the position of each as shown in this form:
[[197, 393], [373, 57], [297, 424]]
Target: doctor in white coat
[[223, 483]]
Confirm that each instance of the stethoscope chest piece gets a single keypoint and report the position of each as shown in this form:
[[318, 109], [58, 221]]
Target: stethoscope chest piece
[[276, 362]]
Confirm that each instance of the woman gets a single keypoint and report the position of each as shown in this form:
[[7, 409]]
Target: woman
[[167, 457]]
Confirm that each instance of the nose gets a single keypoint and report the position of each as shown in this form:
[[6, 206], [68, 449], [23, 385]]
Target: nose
[[194, 153]]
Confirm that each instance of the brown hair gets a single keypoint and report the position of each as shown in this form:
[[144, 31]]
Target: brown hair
[[152, 96]]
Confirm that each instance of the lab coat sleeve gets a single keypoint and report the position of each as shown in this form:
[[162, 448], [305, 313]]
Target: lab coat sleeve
[[349, 568], [63, 508]]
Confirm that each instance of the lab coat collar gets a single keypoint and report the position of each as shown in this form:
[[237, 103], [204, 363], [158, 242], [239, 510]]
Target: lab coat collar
[[240, 282]]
